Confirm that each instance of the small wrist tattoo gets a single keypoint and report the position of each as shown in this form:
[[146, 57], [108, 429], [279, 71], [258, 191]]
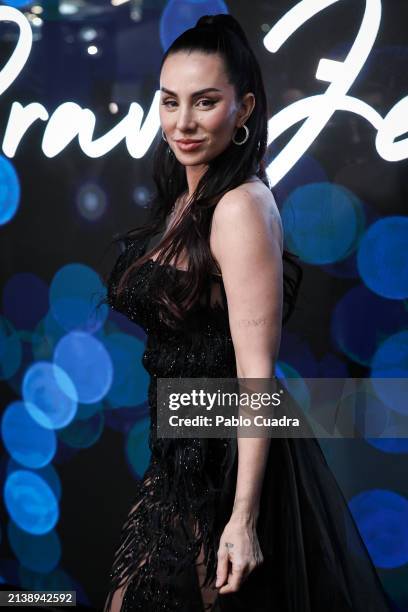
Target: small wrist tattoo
[[229, 544]]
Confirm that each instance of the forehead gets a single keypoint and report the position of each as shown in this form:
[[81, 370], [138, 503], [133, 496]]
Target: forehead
[[193, 71]]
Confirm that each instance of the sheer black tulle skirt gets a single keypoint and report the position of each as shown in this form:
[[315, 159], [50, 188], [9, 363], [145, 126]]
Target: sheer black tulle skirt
[[314, 557]]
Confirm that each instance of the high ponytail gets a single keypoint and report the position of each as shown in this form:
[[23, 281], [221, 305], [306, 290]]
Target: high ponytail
[[221, 23]]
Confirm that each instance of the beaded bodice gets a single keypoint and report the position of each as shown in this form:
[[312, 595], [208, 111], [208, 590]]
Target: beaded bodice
[[202, 346]]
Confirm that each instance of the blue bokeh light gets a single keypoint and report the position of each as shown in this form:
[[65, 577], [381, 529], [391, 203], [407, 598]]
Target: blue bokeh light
[[371, 416], [91, 201], [130, 379], [306, 170], [48, 473], [347, 268], [137, 447], [45, 338], [74, 294], [17, 3], [389, 445], [295, 386], [391, 358], [357, 335], [382, 257], [50, 395], [381, 517], [142, 196], [83, 433], [322, 222], [27, 442], [87, 363], [180, 15], [30, 502], [86, 411], [40, 553], [9, 186], [390, 361]]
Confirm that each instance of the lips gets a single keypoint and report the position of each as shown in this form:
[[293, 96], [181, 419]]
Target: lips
[[188, 145]]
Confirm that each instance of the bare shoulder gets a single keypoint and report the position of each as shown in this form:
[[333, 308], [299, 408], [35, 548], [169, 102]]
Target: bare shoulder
[[250, 205]]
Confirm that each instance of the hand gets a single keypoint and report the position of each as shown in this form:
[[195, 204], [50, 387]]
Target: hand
[[239, 546]]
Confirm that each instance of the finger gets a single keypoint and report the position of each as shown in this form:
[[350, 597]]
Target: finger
[[222, 568], [235, 579]]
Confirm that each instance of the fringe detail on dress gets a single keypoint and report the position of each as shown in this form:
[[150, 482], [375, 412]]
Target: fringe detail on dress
[[173, 515]]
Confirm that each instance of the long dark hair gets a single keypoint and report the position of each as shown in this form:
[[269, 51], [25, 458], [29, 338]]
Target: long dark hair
[[212, 34]]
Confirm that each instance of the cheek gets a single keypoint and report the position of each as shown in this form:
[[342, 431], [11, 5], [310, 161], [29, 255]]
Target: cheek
[[220, 121], [166, 118], [162, 118]]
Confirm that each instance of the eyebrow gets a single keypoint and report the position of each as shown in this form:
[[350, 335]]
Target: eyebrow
[[196, 93]]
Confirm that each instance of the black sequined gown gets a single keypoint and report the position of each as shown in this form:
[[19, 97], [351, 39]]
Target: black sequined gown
[[314, 558]]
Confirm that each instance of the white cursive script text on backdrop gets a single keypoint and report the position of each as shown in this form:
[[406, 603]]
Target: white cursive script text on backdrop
[[69, 120]]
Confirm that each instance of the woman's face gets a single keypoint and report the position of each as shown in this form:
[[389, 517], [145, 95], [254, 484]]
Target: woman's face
[[189, 113]]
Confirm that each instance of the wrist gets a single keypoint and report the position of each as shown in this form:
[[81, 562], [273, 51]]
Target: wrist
[[243, 520], [244, 512]]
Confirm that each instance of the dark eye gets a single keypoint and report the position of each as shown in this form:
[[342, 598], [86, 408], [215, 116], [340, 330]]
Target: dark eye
[[207, 101], [210, 102]]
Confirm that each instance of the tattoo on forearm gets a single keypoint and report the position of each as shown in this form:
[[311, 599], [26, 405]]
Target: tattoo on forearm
[[252, 322]]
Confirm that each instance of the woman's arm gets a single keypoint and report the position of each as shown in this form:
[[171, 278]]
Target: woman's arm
[[250, 257]]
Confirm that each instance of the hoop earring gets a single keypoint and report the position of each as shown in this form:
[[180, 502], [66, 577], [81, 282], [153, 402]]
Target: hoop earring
[[245, 137], [169, 150]]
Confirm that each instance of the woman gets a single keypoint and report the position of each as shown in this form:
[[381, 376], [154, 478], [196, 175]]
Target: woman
[[237, 524]]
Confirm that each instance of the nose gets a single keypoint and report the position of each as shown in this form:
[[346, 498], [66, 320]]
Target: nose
[[185, 118]]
